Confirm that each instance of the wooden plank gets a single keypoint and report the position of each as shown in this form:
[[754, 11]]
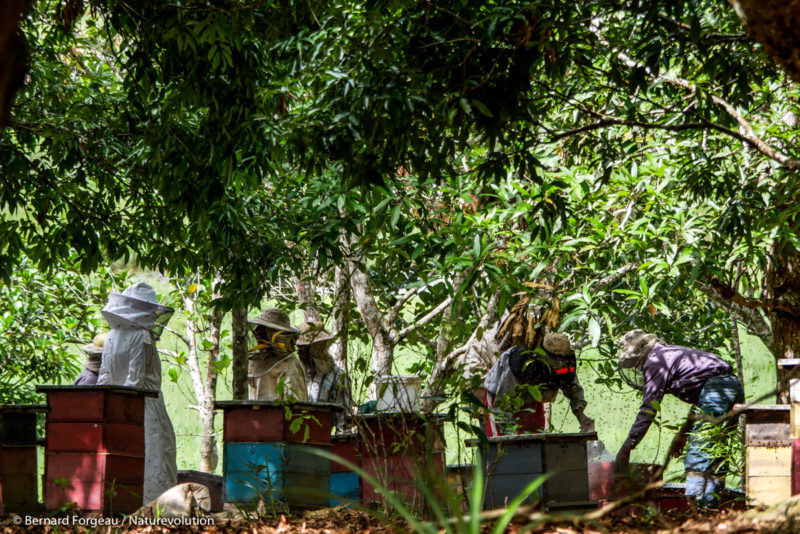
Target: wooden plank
[[128, 470], [794, 421], [17, 428], [511, 458], [347, 449], [544, 436], [304, 458], [795, 466], [18, 461], [567, 486], [245, 425], [767, 434], [768, 461], [567, 456], [18, 492], [759, 408], [254, 458], [307, 490], [94, 496], [345, 488], [108, 406], [315, 426], [769, 490], [501, 489], [114, 438]]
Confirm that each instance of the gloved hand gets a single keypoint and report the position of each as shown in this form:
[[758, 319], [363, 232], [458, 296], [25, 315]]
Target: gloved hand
[[587, 424]]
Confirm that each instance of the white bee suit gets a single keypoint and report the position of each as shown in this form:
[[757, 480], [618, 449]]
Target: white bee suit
[[130, 359]]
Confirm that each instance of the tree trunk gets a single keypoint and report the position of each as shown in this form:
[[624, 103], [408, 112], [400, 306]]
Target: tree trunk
[[341, 315], [783, 287], [382, 343], [205, 396], [209, 456], [239, 353], [307, 297]]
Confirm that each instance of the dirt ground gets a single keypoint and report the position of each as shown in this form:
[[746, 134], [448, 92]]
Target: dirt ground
[[343, 520]]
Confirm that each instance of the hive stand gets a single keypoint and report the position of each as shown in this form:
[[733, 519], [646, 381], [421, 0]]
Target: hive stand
[[94, 453], [268, 452], [510, 463], [768, 455], [400, 450], [18, 462]]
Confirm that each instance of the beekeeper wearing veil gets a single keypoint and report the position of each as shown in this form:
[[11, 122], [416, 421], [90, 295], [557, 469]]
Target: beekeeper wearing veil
[[130, 359]]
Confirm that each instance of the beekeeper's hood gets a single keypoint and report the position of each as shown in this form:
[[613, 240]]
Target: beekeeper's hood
[[635, 346], [137, 307]]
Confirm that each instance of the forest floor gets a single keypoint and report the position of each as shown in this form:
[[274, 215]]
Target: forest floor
[[343, 520]]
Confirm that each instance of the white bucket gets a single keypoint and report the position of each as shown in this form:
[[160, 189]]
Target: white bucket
[[398, 393]]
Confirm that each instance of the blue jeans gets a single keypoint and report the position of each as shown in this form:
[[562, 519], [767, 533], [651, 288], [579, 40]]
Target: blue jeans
[[705, 471]]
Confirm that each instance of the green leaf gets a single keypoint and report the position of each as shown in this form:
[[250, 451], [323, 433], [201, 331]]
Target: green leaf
[[594, 331]]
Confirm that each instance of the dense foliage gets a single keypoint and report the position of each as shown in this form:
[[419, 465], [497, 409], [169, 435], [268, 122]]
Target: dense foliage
[[633, 157]]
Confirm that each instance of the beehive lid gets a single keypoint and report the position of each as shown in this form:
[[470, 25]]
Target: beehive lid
[[550, 437], [23, 408], [755, 408], [390, 416], [788, 363], [106, 387], [258, 404]]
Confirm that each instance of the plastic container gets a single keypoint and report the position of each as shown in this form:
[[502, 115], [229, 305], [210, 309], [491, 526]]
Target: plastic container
[[398, 393]]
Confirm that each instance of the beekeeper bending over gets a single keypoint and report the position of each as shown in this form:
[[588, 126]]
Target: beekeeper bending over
[[274, 370], [130, 359]]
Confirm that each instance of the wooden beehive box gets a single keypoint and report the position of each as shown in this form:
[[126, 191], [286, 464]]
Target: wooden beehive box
[[94, 453], [510, 463], [18, 458], [269, 421], [791, 368], [345, 485], [269, 452], [401, 450], [768, 456]]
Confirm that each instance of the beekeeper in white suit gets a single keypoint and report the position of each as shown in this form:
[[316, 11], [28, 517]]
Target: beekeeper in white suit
[[130, 359]]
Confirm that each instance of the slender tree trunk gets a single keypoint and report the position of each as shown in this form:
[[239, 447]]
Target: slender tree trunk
[[382, 342], [341, 315], [307, 297], [737, 349], [239, 353], [209, 455], [205, 396], [783, 286]]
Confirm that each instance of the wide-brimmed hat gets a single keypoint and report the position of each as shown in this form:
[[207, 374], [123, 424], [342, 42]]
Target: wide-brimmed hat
[[312, 333], [557, 344], [96, 346], [275, 319]]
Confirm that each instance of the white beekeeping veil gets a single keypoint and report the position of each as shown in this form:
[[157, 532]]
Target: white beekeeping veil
[[137, 307], [636, 346]]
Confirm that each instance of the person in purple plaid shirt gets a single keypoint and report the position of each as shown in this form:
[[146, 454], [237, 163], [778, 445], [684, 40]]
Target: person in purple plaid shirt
[[694, 376]]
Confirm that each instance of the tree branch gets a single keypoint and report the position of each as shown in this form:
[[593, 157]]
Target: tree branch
[[748, 136], [424, 319], [750, 317], [395, 311], [178, 335]]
